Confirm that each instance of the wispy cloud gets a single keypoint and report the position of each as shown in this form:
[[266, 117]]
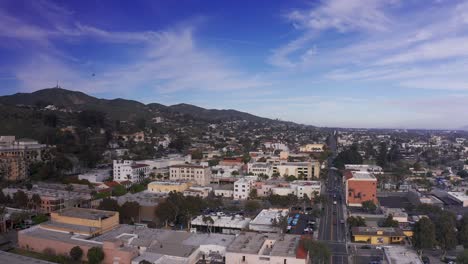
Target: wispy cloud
[[165, 61]]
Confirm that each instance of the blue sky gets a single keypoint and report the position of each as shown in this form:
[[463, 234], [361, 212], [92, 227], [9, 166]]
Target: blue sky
[[348, 63]]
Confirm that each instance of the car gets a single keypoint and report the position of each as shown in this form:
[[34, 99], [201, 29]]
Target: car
[[426, 260], [334, 212], [334, 202], [366, 247], [342, 221], [379, 247]]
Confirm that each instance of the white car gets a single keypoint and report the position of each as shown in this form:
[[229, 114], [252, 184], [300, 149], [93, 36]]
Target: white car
[[334, 202]]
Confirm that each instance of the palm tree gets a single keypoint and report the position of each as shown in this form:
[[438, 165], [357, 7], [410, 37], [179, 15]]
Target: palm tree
[[208, 220]]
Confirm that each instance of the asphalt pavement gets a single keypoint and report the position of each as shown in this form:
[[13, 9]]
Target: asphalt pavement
[[331, 230]]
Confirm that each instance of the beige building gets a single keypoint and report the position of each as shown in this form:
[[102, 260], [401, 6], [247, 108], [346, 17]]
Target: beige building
[[82, 221], [201, 175], [301, 170], [168, 186], [312, 148], [13, 168], [28, 149]]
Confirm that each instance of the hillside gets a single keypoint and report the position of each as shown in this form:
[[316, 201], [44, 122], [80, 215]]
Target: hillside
[[119, 109]]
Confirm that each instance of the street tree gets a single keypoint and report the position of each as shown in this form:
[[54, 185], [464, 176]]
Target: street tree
[[389, 222], [95, 255], [76, 253], [318, 251], [369, 206], [424, 236]]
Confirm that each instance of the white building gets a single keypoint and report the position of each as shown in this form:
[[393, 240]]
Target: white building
[[266, 249], [129, 170], [95, 176], [259, 168], [242, 188], [189, 172], [263, 221], [460, 197], [401, 255], [276, 146], [221, 224], [306, 170], [309, 188], [198, 191]]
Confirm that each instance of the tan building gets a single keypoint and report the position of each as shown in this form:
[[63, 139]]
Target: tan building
[[77, 227], [83, 221], [168, 186], [201, 175], [312, 148], [28, 149], [301, 170], [13, 168]]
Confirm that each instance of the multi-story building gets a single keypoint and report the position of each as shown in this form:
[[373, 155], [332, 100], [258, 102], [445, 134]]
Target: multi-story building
[[360, 187], [199, 174], [13, 168], [266, 248], [242, 188], [129, 170], [28, 149], [309, 188], [300, 170], [260, 168], [56, 196], [375, 169]]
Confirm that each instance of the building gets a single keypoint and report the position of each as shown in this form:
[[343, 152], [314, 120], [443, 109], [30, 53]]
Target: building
[[300, 170], [242, 188], [260, 168], [129, 170], [398, 214], [360, 187], [74, 227], [199, 174], [378, 235], [309, 188], [13, 168], [314, 148], [263, 221], [266, 248], [96, 176], [401, 255], [460, 197], [56, 196], [221, 224], [82, 221], [375, 169], [232, 161], [223, 190], [28, 149], [165, 187], [198, 191]]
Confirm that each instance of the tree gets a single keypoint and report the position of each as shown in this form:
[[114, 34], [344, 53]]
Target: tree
[[355, 221], [382, 155], [95, 255], [252, 206], [208, 220], [36, 201], [369, 206], [462, 258], [119, 190], [21, 199], [463, 173], [424, 234], [389, 222], [76, 253], [129, 212], [253, 194], [445, 230], [318, 251], [280, 222], [109, 204], [463, 231], [348, 156]]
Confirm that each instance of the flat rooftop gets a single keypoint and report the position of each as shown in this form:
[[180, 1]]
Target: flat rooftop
[[387, 231], [224, 221], [91, 214], [361, 175], [251, 243], [401, 255], [460, 196], [10, 258], [265, 216]]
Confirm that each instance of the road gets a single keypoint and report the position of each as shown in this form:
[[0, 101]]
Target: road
[[331, 230]]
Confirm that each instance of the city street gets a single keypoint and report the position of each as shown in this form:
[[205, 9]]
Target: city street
[[332, 229]]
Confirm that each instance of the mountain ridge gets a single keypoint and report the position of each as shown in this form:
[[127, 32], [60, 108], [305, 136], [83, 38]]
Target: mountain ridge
[[120, 108]]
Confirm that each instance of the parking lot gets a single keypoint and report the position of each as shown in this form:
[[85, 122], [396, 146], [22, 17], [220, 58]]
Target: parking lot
[[302, 224]]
